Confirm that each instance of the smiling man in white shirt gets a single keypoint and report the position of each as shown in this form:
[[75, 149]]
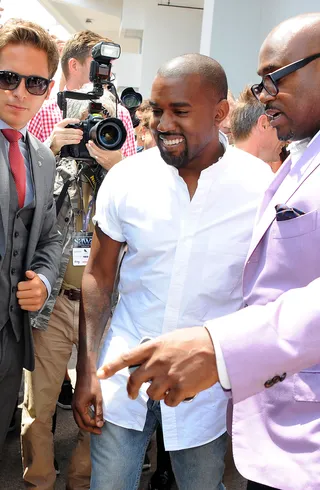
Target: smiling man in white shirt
[[186, 211]]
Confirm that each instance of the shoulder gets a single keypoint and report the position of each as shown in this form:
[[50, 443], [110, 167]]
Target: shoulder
[[43, 151], [244, 162], [134, 172], [138, 164]]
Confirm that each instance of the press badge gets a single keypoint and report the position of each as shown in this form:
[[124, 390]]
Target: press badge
[[81, 248]]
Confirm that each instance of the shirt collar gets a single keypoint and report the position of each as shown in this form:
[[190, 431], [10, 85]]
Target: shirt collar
[[223, 140], [4, 125], [297, 148]]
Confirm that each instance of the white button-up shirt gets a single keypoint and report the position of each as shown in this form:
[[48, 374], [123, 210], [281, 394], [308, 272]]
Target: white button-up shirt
[[183, 266]]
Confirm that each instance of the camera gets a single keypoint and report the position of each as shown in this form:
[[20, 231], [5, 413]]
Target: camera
[[108, 133], [131, 100]]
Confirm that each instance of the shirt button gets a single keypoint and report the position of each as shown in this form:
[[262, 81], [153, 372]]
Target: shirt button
[[13, 270], [16, 234], [11, 308], [15, 253], [66, 220], [13, 289]]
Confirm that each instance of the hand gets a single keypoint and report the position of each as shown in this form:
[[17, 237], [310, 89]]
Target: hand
[[32, 294], [106, 158], [178, 365], [62, 136], [87, 393]]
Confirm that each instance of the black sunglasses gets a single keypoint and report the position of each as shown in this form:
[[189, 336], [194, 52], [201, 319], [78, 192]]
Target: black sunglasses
[[9, 80], [269, 82]]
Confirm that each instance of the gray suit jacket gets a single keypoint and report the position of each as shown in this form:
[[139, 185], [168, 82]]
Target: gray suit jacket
[[44, 246]]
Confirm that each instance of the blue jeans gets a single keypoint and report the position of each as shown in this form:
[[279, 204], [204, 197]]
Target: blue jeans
[[117, 457]]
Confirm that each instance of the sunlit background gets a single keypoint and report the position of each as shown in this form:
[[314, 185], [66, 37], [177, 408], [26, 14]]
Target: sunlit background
[[32, 10]]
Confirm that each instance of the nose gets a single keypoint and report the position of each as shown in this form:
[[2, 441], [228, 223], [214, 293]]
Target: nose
[[265, 97], [20, 92], [166, 123]]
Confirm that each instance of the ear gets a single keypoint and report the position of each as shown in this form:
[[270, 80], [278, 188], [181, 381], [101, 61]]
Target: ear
[[51, 85], [263, 123], [72, 65], [222, 110]]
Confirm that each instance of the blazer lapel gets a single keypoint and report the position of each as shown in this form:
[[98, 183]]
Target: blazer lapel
[[286, 183], [4, 195]]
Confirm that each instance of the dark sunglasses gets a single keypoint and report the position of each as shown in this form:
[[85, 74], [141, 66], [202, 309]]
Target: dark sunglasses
[[269, 82], [9, 80]]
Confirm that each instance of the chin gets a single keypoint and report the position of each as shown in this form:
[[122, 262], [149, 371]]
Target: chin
[[178, 161]]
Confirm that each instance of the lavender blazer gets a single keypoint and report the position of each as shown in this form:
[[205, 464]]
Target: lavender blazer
[[276, 412]]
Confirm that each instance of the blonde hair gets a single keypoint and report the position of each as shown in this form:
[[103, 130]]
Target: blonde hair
[[79, 47], [245, 114], [18, 31]]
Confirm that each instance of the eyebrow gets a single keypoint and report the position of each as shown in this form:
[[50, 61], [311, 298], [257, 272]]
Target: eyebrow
[[268, 69], [173, 104]]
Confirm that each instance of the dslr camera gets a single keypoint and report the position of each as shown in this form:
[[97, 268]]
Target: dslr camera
[[108, 133]]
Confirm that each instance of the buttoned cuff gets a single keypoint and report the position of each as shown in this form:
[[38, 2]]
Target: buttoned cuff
[[221, 365]]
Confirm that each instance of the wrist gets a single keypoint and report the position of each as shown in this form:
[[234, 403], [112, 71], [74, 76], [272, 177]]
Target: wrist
[[87, 365]]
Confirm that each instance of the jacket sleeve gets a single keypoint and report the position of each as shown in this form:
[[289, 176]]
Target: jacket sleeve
[[279, 339], [46, 259]]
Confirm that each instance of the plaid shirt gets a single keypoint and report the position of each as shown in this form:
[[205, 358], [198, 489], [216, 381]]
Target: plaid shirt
[[41, 125]]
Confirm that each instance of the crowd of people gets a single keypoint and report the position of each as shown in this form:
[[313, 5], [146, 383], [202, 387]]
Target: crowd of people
[[183, 266]]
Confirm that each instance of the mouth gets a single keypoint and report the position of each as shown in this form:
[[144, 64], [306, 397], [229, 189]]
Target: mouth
[[273, 114], [170, 141], [17, 108]]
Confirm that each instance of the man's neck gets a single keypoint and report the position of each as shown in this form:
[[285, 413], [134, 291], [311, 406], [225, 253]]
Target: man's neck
[[72, 85], [250, 146]]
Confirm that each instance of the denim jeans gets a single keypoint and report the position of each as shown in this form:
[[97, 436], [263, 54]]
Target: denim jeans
[[117, 457]]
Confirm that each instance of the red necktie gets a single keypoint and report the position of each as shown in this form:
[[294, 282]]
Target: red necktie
[[17, 165]]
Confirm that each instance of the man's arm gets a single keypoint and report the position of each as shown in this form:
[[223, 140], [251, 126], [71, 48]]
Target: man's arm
[[95, 307], [46, 258], [261, 346]]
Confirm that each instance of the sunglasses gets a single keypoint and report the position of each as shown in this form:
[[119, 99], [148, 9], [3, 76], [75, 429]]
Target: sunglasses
[[9, 80], [269, 82]]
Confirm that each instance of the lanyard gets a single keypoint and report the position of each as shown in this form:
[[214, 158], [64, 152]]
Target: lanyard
[[86, 216]]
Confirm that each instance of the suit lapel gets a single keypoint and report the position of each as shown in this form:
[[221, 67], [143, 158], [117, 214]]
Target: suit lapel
[[285, 184], [4, 195]]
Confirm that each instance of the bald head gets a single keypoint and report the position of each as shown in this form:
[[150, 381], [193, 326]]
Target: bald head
[[293, 101], [295, 38], [209, 70]]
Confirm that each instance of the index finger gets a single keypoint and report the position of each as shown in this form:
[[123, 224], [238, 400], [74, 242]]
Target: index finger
[[136, 356], [25, 285], [66, 121]]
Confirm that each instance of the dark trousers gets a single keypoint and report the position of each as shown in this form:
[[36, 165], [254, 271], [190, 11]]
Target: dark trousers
[[11, 363], [258, 486]]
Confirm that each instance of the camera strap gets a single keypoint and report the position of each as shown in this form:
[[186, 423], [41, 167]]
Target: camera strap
[[62, 196]]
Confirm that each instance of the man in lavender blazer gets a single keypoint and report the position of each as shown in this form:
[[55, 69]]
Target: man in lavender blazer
[[267, 354]]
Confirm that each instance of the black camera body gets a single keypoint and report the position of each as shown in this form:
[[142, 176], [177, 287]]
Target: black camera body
[[108, 133]]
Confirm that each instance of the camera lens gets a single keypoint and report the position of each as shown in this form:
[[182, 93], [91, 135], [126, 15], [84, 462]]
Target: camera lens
[[109, 134], [130, 98]]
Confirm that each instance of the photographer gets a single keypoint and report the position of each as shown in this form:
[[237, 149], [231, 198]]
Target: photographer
[[75, 63], [56, 328]]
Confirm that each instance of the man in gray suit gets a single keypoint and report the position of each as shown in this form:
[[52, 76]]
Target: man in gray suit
[[29, 241]]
